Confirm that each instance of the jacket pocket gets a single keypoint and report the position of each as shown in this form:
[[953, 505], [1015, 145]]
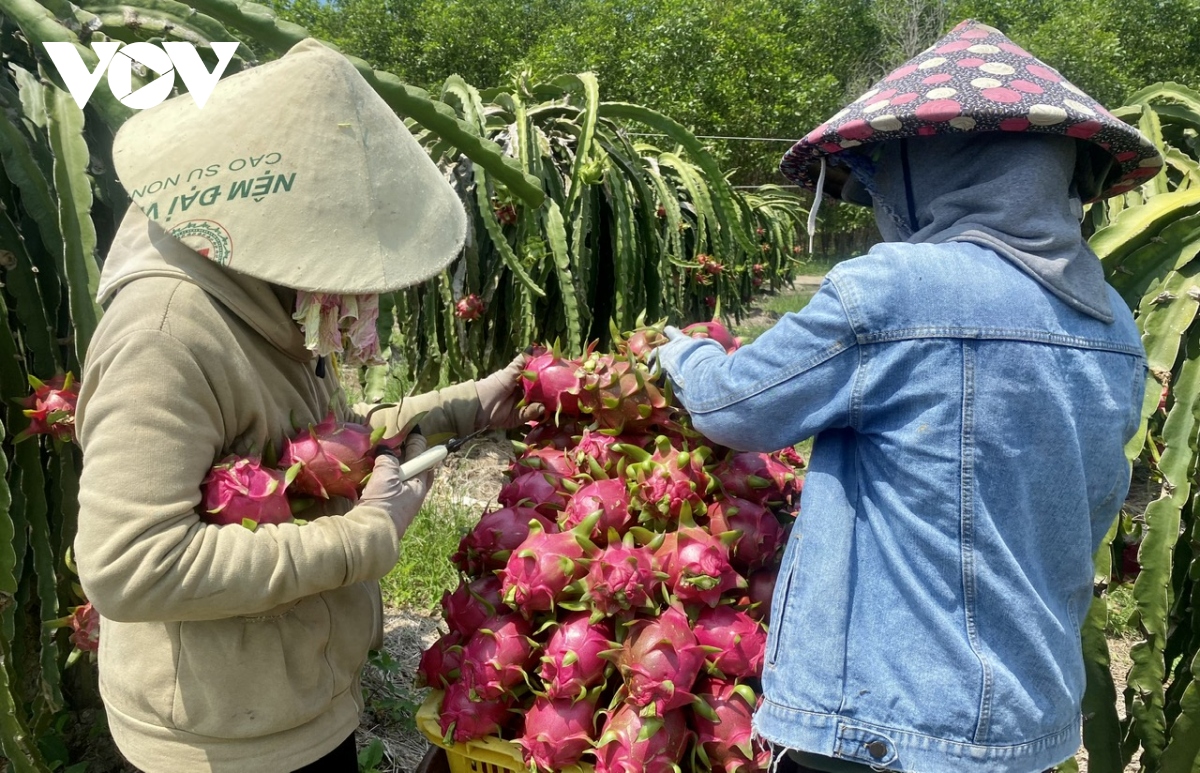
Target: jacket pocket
[[779, 600], [247, 677]]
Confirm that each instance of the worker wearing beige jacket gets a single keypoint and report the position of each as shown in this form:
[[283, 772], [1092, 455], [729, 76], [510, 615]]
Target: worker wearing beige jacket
[[222, 648]]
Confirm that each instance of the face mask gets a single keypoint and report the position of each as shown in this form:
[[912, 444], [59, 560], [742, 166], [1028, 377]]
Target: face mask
[[342, 325]]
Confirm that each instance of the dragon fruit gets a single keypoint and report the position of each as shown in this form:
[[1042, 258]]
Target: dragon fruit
[[660, 661], [552, 381], [496, 657], [642, 342], [607, 498], [697, 566], [241, 490], [740, 643], [540, 569], [439, 666], [540, 490], [469, 308], [552, 460], [596, 447], [670, 483], [487, 546], [617, 396], [85, 628], [559, 435], [471, 603], [464, 718], [51, 408], [759, 593], [334, 459], [632, 743], [727, 742], [759, 532], [572, 663], [716, 331], [760, 478], [621, 579], [557, 733]]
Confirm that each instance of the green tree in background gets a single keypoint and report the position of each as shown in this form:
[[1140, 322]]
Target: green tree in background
[[749, 68]]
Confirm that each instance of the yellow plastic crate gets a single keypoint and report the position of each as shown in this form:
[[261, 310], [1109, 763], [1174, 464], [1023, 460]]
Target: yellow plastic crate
[[485, 755]]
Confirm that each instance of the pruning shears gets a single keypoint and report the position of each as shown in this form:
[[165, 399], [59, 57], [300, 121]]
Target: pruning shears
[[433, 456]]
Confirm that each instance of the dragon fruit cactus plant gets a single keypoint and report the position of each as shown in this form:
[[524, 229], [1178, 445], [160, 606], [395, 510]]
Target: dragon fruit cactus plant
[[614, 608]]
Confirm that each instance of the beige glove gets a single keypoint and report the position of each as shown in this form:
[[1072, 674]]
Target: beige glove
[[499, 394], [401, 500]]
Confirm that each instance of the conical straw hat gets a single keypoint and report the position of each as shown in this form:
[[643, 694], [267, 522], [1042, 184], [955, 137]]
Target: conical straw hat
[[977, 80], [295, 172]]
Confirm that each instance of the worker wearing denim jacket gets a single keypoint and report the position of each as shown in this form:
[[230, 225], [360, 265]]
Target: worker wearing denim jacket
[[971, 384]]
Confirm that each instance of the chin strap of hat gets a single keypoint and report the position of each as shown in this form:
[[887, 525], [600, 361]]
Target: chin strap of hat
[[816, 207]]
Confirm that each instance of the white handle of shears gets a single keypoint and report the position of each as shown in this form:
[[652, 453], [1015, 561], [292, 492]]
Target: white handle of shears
[[424, 461]]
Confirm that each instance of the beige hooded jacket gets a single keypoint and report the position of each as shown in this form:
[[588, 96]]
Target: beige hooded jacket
[[222, 649]]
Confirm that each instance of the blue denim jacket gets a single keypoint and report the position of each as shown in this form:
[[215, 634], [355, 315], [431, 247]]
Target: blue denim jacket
[[968, 461]]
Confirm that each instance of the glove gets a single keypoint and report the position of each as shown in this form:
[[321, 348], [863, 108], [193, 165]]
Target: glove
[[499, 394], [401, 500]]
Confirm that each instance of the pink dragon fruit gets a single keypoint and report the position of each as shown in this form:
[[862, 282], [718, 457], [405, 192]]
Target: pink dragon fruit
[[758, 595], [643, 341], [597, 447], [660, 661], [334, 459], [469, 308], [715, 331], [727, 741], [622, 578], [239, 490], [572, 663], [759, 532], [557, 733], [497, 656], [540, 569], [85, 628], [439, 666], [487, 546], [471, 604], [607, 498], [740, 642], [464, 718], [552, 460], [632, 743], [552, 381], [51, 408], [540, 490], [697, 566], [760, 478], [670, 483]]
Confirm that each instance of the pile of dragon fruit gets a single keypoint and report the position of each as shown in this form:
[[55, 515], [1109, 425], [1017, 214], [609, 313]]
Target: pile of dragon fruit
[[612, 607]]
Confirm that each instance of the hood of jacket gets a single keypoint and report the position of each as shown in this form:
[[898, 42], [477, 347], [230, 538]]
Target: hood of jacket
[[1013, 193], [143, 249]]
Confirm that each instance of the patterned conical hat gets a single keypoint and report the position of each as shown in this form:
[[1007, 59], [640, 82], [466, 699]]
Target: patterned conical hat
[[976, 80], [295, 172]]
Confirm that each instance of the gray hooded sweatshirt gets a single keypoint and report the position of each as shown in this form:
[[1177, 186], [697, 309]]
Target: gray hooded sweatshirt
[[1013, 193]]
